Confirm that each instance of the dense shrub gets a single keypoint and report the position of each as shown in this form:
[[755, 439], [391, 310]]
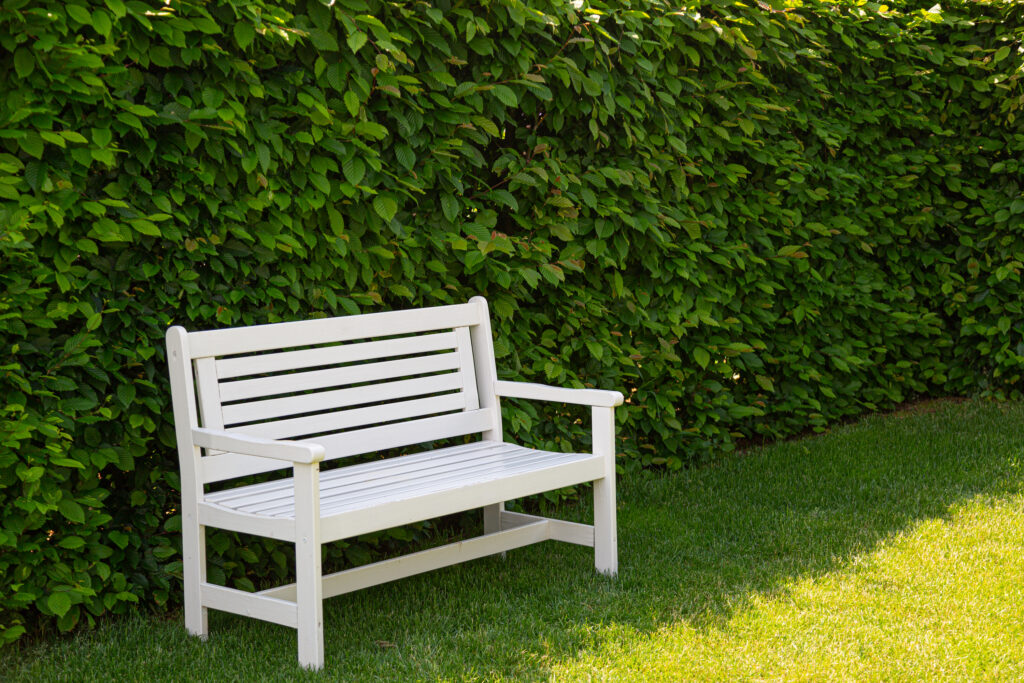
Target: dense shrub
[[755, 218]]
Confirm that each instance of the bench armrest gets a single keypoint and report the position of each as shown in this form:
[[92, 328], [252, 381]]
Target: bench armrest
[[599, 398], [292, 451]]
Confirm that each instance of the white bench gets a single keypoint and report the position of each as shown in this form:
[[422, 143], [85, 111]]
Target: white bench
[[255, 399]]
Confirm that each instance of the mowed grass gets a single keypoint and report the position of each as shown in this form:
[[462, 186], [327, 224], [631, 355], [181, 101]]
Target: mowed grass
[[890, 549]]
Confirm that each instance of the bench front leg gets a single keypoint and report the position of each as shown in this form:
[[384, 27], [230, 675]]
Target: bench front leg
[[308, 572], [606, 554]]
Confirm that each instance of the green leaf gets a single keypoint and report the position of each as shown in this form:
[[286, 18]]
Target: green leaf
[[101, 22], [71, 542], [59, 603], [385, 206], [79, 14], [351, 102], [701, 356], [32, 144], [356, 41], [1001, 54], [449, 207], [505, 94], [72, 510], [354, 170], [244, 34], [24, 62], [406, 157]]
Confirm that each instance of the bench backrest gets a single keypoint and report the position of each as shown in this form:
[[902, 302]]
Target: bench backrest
[[354, 384]]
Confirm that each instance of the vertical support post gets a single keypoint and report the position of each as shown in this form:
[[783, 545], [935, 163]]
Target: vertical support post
[[193, 535], [606, 553], [308, 573], [482, 340]]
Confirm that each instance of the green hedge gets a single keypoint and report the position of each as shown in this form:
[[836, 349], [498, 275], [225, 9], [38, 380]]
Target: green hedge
[[755, 219]]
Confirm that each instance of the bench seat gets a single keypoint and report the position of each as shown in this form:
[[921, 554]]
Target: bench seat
[[397, 491]]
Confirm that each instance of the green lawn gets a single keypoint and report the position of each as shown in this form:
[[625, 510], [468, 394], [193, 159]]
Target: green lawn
[[892, 549]]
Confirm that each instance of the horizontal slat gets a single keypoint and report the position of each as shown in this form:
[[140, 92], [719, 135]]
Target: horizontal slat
[[447, 477], [368, 471], [391, 474], [558, 529], [239, 340], [329, 400], [333, 355], [373, 439], [423, 561], [253, 605], [232, 520], [356, 417], [242, 389], [358, 441], [429, 506]]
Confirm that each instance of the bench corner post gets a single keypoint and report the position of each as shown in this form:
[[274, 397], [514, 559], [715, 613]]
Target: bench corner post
[[606, 554]]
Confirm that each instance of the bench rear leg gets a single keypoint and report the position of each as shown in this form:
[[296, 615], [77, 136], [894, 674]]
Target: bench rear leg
[[606, 554], [193, 548]]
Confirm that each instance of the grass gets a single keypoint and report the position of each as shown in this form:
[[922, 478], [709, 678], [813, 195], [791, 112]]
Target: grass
[[890, 549]]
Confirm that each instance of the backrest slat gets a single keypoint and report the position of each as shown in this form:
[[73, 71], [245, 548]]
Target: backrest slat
[[240, 390], [268, 409], [299, 427], [234, 366], [239, 340]]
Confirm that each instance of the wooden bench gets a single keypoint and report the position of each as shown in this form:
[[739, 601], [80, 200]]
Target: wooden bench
[[255, 399]]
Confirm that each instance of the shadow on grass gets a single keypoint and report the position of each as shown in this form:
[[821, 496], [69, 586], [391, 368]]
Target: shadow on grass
[[695, 546]]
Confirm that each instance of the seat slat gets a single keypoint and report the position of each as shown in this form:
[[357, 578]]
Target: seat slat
[[450, 475], [239, 496], [240, 390], [238, 413], [355, 442], [345, 484], [243, 340], [386, 481], [235, 366], [355, 417]]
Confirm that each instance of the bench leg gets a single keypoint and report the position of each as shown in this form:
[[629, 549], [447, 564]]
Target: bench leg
[[193, 542], [308, 573], [606, 553], [492, 518]]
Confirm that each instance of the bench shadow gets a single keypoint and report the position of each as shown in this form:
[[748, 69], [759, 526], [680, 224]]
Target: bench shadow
[[694, 545]]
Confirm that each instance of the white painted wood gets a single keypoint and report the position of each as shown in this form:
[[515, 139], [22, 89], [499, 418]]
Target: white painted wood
[[341, 398], [558, 530], [341, 484], [208, 394], [543, 392], [423, 561], [606, 556], [467, 370], [338, 420], [253, 605], [220, 517], [241, 340], [449, 501], [193, 535], [308, 574], [357, 386], [337, 354], [234, 441], [450, 475], [358, 441], [482, 340], [373, 439], [244, 389]]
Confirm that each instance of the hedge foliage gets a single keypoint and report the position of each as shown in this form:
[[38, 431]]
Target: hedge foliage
[[756, 218]]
